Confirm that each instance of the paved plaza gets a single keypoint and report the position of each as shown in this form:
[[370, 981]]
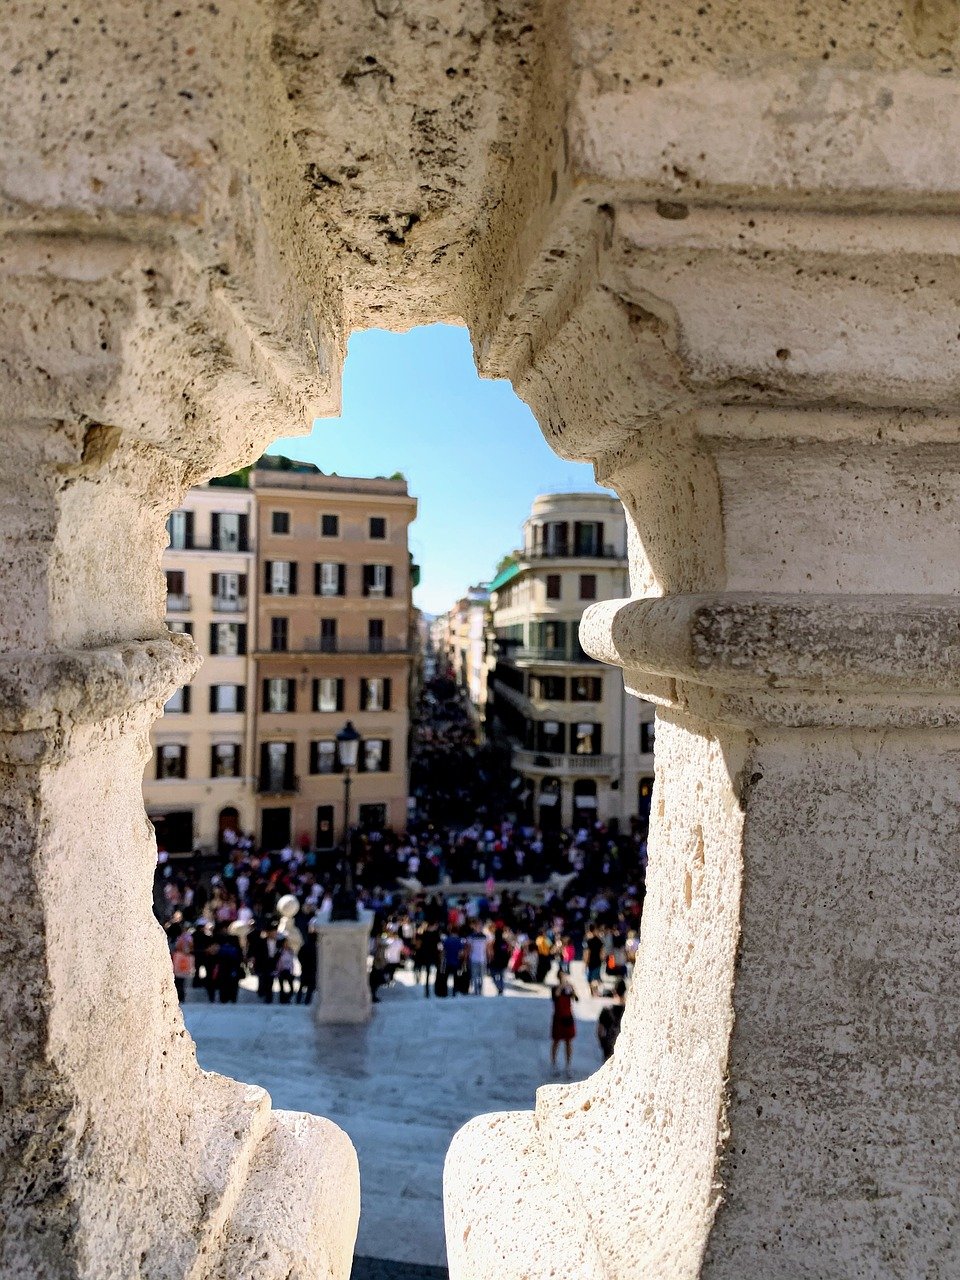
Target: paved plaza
[[400, 1087]]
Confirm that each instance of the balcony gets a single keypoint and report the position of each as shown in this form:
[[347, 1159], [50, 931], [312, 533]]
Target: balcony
[[324, 644], [569, 551], [226, 604], [287, 785], [547, 762], [537, 653], [178, 603]]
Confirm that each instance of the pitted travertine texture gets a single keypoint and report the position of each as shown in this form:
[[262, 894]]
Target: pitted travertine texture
[[846, 1045], [713, 245]]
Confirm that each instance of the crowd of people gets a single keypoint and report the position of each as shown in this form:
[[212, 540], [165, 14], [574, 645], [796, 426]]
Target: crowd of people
[[577, 895]]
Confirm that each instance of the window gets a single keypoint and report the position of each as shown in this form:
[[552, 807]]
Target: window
[[229, 531], [555, 636], [278, 634], [588, 586], [374, 756], [586, 689], [375, 694], [329, 579], [647, 734], [378, 580], [171, 760], [553, 586], [225, 760], [378, 527], [228, 639], [328, 635], [280, 578], [330, 526], [279, 694], [588, 538], [587, 739], [179, 701], [555, 538], [180, 628], [279, 521], [227, 697], [328, 694], [176, 582], [373, 817], [549, 688], [323, 756], [276, 767], [550, 736], [229, 591], [375, 635], [180, 529]]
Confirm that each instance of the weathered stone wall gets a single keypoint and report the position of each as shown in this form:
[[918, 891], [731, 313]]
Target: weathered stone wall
[[712, 244]]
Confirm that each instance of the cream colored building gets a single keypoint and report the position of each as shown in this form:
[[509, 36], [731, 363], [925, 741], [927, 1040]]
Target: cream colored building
[[583, 745], [464, 640], [200, 779]]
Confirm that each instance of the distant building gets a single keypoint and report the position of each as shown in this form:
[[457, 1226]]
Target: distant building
[[297, 591], [465, 644], [334, 643], [583, 746], [200, 780]]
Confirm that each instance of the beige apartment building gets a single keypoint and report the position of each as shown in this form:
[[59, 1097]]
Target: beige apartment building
[[584, 747], [334, 643], [200, 779]]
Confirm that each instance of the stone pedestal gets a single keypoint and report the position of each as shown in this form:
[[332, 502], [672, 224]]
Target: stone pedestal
[[343, 986]]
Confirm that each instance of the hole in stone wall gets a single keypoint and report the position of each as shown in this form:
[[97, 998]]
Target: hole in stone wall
[[529, 769]]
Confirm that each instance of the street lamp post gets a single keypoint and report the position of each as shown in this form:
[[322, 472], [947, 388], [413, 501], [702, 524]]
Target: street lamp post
[[344, 906]]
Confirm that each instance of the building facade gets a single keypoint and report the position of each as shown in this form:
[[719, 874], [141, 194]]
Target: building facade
[[297, 592], [584, 747], [334, 643], [200, 779], [465, 645]]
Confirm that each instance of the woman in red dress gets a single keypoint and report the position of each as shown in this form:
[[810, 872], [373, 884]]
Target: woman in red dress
[[563, 1027]]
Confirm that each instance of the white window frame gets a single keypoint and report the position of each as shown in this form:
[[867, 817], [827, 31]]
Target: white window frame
[[329, 578], [374, 703], [280, 577], [165, 749], [332, 682], [220, 697], [231, 630], [178, 530], [228, 531], [277, 686], [226, 746]]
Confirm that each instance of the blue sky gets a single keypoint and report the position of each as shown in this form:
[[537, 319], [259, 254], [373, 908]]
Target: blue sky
[[470, 448]]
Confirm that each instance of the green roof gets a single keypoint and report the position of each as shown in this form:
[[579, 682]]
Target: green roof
[[505, 576]]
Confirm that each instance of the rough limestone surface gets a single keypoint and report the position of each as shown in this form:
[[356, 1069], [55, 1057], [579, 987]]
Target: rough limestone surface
[[713, 244], [343, 988]]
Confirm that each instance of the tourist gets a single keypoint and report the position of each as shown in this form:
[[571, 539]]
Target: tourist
[[477, 947], [593, 946], [450, 958], [563, 1027], [608, 1023]]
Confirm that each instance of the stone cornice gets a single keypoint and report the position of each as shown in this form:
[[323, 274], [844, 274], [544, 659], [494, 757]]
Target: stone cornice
[[789, 660], [41, 691]]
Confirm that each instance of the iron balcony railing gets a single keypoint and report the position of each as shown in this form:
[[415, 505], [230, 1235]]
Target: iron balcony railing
[[178, 602], [326, 644], [571, 551], [274, 786], [227, 604]]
